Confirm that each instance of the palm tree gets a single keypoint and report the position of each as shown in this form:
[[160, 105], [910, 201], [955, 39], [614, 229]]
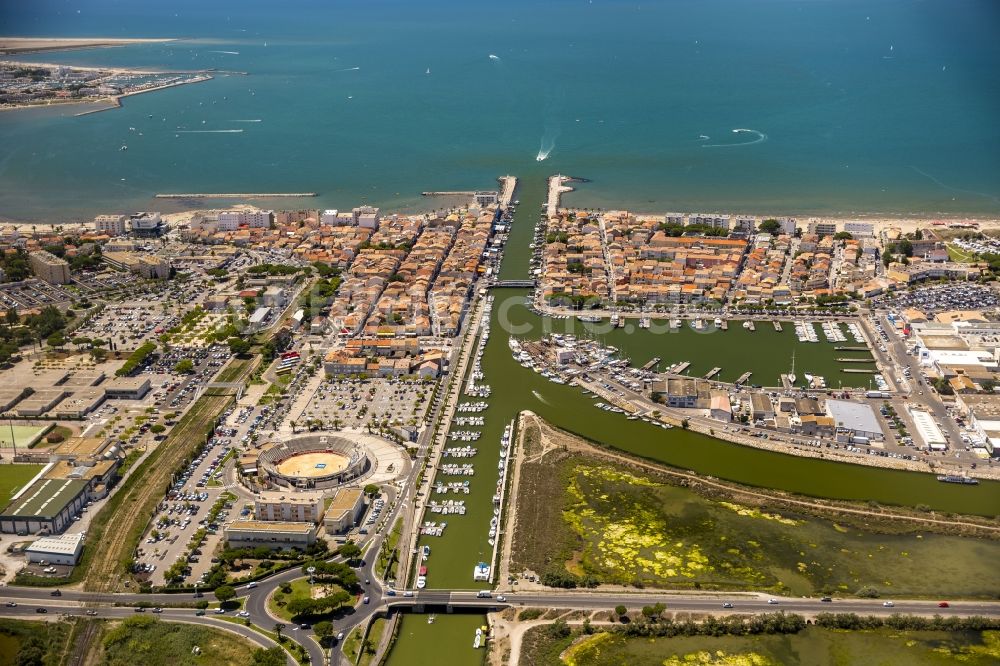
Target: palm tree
[[278, 627], [293, 424]]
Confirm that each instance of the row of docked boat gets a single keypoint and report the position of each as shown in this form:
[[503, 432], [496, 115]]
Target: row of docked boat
[[832, 332], [448, 507], [471, 407], [855, 330], [454, 469], [432, 528], [505, 441], [457, 487], [470, 421], [473, 387], [460, 452], [805, 332], [465, 435]]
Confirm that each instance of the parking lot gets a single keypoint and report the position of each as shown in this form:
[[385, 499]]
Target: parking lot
[[128, 325], [356, 403], [941, 298], [189, 506]]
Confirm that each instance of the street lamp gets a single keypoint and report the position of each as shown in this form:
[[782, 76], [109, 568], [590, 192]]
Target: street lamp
[[311, 571]]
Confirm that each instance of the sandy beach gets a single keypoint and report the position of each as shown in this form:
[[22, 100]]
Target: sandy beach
[[11, 45]]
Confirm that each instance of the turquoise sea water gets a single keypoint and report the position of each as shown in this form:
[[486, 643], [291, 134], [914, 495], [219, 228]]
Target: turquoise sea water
[[885, 107]]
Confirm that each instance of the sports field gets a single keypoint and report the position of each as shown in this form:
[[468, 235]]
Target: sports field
[[13, 477], [23, 435]]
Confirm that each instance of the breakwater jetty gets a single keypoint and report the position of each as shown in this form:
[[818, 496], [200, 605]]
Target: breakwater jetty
[[557, 187], [455, 193], [236, 195]]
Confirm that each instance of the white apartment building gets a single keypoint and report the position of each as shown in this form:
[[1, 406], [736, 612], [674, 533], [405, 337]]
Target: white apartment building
[[822, 228], [860, 229], [298, 507], [112, 225], [329, 217], [231, 220], [367, 216]]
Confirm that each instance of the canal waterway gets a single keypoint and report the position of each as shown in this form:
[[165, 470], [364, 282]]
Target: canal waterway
[[447, 640], [765, 353]]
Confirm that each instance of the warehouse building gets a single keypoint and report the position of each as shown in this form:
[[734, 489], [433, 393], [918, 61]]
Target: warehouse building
[[48, 506], [63, 549], [855, 421]]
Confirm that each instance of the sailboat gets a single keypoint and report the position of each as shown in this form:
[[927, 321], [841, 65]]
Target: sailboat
[[791, 375]]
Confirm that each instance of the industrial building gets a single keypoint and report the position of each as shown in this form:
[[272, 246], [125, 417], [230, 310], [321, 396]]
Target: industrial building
[[47, 506], [64, 549], [855, 421]]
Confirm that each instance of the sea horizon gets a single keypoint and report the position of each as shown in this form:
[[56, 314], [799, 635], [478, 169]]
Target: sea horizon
[[806, 108]]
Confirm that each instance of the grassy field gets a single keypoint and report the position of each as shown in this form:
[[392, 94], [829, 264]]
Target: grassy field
[[811, 647], [110, 549], [604, 522], [151, 642], [23, 435], [13, 477], [41, 642]]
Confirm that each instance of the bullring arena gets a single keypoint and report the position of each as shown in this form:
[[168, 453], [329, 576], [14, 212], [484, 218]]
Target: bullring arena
[[314, 461]]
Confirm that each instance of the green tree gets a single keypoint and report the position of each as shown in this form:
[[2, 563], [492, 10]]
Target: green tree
[[225, 593], [843, 235], [620, 610], [56, 340], [770, 226], [349, 551], [239, 346], [184, 366], [371, 490], [323, 629], [157, 428], [278, 628]]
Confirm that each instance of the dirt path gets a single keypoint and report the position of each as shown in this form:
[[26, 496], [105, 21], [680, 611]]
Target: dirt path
[[573, 443]]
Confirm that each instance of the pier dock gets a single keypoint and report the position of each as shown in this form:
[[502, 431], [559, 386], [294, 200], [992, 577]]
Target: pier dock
[[856, 360], [681, 367], [713, 372], [777, 325], [236, 195], [448, 194], [652, 362], [725, 325], [751, 326], [864, 349], [557, 187], [508, 184], [742, 379], [858, 371]]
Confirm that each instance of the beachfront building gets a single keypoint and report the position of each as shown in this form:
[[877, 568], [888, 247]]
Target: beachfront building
[[146, 225], [111, 225], [366, 217], [48, 267]]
